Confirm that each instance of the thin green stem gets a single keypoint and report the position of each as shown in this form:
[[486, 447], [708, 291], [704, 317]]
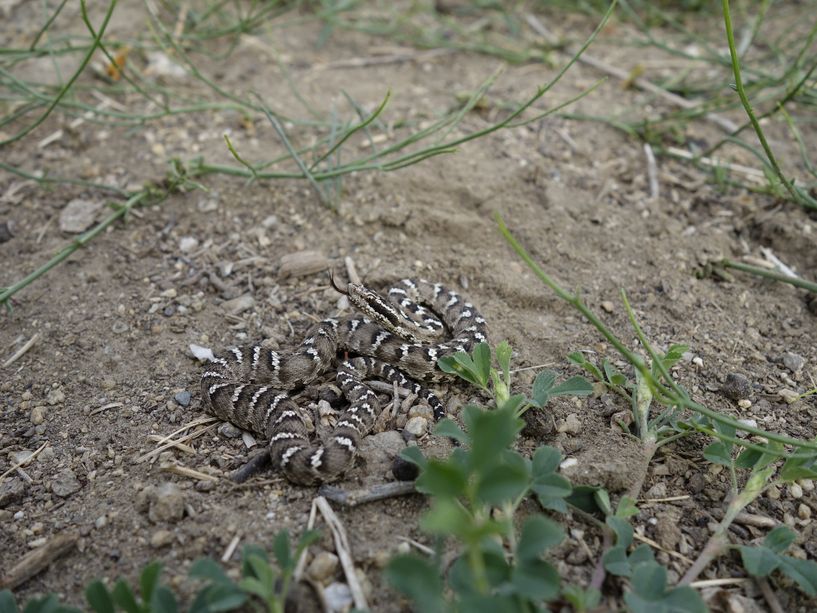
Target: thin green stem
[[798, 195], [769, 274], [76, 244], [64, 89]]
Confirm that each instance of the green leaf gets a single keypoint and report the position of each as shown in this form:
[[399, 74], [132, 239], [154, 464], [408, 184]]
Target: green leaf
[[415, 456], [626, 507], [503, 357], [759, 561], [536, 579], [581, 599], [538, 534], [453, 366], [447, 517], [602, 497], [205, 568], [550, 488], [649, 594], [513, 404], [255, 586], [149, 579], [99, 598], [503, 482], [261, 570], [583, 497], [448, 427], [780, 538], [719, 453], [419, 580], [123, 597], [640, 554], [748, 458], [577, 357], [551, 491], [162, 600], [218, 597], [7, 602], [799, 468], [442, 478], [612, 375], [546, 460], [482, 362], [615, 561], [249, 552], [649, 580], [541, 387], [281, 550], [491, 433], [622, 529], [574, 386], [802, 572]]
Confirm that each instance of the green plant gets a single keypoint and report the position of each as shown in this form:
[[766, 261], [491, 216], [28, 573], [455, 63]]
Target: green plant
[[260, 581], [476, 492]]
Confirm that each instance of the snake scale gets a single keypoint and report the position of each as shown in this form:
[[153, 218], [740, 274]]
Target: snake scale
[[398, 339]]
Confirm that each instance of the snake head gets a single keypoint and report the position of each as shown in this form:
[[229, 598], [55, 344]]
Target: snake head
[[373, 306]]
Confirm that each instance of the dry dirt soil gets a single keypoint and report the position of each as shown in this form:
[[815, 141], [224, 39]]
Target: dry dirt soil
[[105, 380]]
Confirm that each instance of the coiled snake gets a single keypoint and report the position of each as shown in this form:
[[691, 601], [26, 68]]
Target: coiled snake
[[397, 340]]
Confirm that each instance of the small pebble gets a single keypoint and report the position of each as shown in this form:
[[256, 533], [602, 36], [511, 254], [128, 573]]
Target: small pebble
[[100, 522], [745, 403], [796, 491], [571, 425], [55, 396], [338, 597], [161, 538], [773, 492], [236, 306], [78, 215], [608, 306], [806, 484], [789, 396], [417, 426], [736, 386], [322, 566], [183, 398], [167, 503], [228, 430], [794, 362], [119, 327], [188, 244], [804, 511], [37, 415], [302, 263], [65, 483]]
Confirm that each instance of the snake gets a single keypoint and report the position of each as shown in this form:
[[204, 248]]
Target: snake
[[398, 338]]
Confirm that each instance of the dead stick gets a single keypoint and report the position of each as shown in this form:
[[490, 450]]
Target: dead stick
[[353, 498], [344, 552], [38, 560]]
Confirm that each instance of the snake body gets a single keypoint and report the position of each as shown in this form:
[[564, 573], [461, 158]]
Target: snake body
[[397, 339]]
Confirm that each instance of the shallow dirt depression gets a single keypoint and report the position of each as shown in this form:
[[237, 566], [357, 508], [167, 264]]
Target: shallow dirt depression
[[110, 373]]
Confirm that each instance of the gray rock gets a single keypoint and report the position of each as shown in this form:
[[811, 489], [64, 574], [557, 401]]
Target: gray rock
[[736, 386], [338, 597], [166, 504], [79, 215], [379, 449], [322, 566], [65, 483], [12, 491], [417, 426], [55, 396], [794, 362], [236, 306], [183, 398], [228, 430], [161, 538]]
